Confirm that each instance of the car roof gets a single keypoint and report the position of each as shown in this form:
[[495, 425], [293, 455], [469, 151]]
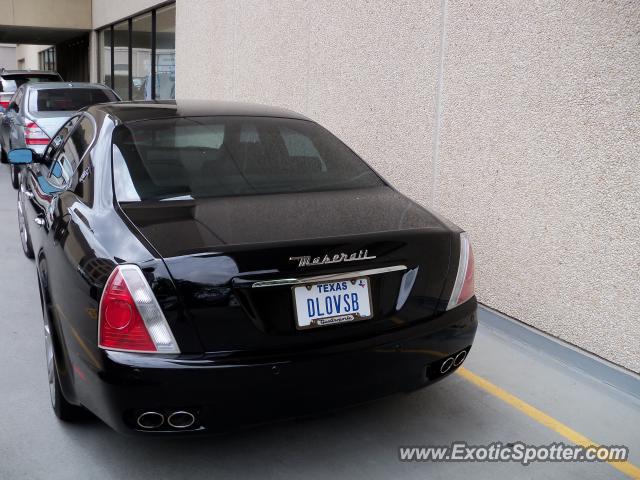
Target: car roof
[[47, 85], [154, 109], [27, 73]]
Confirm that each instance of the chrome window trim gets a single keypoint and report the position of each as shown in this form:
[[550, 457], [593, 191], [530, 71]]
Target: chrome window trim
[[329, 277]]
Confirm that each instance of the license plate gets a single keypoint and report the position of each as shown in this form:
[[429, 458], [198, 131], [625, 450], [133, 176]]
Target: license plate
[[331, 303]]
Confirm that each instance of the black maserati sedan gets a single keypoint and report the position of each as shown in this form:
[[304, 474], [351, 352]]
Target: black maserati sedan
[[205, 266]]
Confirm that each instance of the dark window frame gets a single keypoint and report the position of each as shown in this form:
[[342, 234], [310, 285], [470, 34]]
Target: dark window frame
[[47, 59], [110, 26], [130, 58], [153, 54]]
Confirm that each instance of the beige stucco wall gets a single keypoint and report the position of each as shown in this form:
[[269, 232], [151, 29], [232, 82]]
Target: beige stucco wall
[[29, 53], [47, 13], [7, 56], [342, 63], [540, 160], [517, 120], [109, 11]]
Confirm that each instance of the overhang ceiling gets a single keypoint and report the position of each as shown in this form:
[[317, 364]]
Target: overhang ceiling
[[37, 35]]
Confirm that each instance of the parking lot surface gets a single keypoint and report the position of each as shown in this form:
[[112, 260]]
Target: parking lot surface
[[361, 442]]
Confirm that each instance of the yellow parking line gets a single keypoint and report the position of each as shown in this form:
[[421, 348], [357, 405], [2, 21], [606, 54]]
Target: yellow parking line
[[548, 421]]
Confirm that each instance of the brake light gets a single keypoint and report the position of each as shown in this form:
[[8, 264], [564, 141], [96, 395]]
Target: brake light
[[4, 104], [34, 135], [463, 288], [130, 318]]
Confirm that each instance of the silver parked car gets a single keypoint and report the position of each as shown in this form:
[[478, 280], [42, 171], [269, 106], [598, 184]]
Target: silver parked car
[[38, 110], [10, 80]]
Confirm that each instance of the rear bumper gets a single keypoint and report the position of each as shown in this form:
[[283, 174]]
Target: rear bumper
[[227, 394]]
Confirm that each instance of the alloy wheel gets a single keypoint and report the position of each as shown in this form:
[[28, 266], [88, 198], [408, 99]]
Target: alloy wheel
[[22, 225], [51, 370]]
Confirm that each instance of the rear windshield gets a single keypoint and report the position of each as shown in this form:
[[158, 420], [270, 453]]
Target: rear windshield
[[67, 99], [195, 157], [10, 83]]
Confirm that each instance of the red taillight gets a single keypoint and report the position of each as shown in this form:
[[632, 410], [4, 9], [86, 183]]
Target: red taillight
[[34, 135], [130, 317], [121, 326], [463, 288], [4, 104]]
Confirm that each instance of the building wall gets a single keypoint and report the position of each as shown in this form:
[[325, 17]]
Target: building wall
[[324, 61], [106, 12], [541, 137], [46, 13], [517, 120], [7, 56], [29, 53]]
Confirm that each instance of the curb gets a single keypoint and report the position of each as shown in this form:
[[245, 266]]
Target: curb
[[570, 355]]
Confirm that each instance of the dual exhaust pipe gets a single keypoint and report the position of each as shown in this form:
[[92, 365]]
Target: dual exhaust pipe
[[153, 420], [453, 361]]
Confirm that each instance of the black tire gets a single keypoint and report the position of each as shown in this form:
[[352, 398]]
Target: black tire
[[64, 410], [23, 229], [15, 178], [3, 156]]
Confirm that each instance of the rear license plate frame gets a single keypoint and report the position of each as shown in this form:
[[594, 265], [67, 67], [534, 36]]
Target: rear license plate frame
[[333, 320]]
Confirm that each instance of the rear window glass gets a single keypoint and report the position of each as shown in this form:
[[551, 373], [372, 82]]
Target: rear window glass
[[195, 157], [10, 83], [67, 99]]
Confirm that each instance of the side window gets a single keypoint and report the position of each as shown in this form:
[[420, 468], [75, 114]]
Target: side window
[[55, 143], [69, 165], [83, 136]]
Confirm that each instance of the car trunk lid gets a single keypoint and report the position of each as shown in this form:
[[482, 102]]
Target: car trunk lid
[[50, 122], [221, 250]]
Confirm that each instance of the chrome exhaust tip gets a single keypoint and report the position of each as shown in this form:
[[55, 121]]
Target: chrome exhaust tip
[[149, 420], [181, 419], [460, 358], [446, 365]]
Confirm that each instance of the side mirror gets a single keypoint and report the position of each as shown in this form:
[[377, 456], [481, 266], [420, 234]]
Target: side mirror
[[13, 106], [21, 156]]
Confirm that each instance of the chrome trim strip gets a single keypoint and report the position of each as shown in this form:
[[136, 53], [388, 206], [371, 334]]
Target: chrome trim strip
[[333, 276]]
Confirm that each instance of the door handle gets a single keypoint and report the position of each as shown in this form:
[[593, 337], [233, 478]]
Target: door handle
[[39, 221], [28, 194]]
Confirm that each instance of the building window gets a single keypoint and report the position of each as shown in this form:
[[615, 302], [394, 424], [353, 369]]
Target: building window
[[141, 46], [104, 56], [121, 43], [137, 56], [166, 53], [47, 59]]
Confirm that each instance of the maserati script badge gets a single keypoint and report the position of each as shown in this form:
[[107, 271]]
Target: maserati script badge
[[307, 261]]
